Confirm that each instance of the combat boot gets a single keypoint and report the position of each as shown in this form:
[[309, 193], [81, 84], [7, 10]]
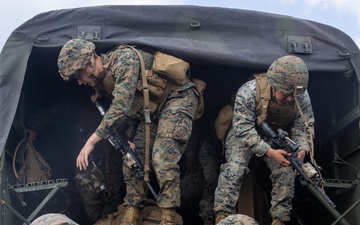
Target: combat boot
[[168, 216], [131, 216], [219, 217], [276, 221]]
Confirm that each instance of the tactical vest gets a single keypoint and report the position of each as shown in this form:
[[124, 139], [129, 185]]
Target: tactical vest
[[276, 115], [106, 86], [166, 73], [158, 89]]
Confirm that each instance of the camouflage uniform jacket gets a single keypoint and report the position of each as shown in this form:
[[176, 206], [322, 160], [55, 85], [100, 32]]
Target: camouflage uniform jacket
[[244, 121], [125, 69]]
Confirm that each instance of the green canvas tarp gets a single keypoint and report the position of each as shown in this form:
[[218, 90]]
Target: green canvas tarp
[[205, 35]]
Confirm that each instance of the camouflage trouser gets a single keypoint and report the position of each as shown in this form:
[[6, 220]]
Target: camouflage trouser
[[209, 161], [173, 131], [231, 177]]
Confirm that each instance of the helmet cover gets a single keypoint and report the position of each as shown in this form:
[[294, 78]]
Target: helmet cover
[[74, 55], [238, 219], [288, 74], [53, 219]]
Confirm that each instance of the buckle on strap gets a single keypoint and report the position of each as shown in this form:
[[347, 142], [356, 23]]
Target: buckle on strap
[[147, 115]]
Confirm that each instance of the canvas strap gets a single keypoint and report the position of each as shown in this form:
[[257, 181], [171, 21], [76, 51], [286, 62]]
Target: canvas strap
[[262, 96], [146, 113]]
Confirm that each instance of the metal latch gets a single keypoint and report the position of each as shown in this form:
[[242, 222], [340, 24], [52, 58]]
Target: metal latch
[[300, 44], [89, 32]]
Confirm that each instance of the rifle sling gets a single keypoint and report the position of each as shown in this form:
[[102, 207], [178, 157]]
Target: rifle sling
[[146, 114]]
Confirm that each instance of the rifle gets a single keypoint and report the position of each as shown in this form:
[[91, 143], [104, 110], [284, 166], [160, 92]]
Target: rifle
[[120, 143], [305, 170]]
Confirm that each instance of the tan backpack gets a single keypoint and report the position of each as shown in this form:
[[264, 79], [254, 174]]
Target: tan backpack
[[151, 215], [34, 168], [223, 122]]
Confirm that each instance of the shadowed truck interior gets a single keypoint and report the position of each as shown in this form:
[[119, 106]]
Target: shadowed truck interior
[[333, 96]]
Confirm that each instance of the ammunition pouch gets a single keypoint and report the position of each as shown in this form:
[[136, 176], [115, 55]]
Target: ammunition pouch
[[159, 88], [166, 73], [171, 67]]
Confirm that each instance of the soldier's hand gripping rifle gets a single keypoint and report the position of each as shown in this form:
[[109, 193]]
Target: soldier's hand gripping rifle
[[305, 170], [120, 143]]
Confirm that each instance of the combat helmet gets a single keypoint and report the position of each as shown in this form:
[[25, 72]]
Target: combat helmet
[[74, 55], [238, 219], [289, 75]]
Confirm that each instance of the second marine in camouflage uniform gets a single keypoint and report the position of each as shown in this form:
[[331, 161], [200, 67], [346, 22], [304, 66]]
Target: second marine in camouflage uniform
[[244, 141], [78, 59]]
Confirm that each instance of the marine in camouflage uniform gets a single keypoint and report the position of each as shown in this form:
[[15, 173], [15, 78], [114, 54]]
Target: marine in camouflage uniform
[[107, 161], [238, 219], [78, 60], [244, 141]]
